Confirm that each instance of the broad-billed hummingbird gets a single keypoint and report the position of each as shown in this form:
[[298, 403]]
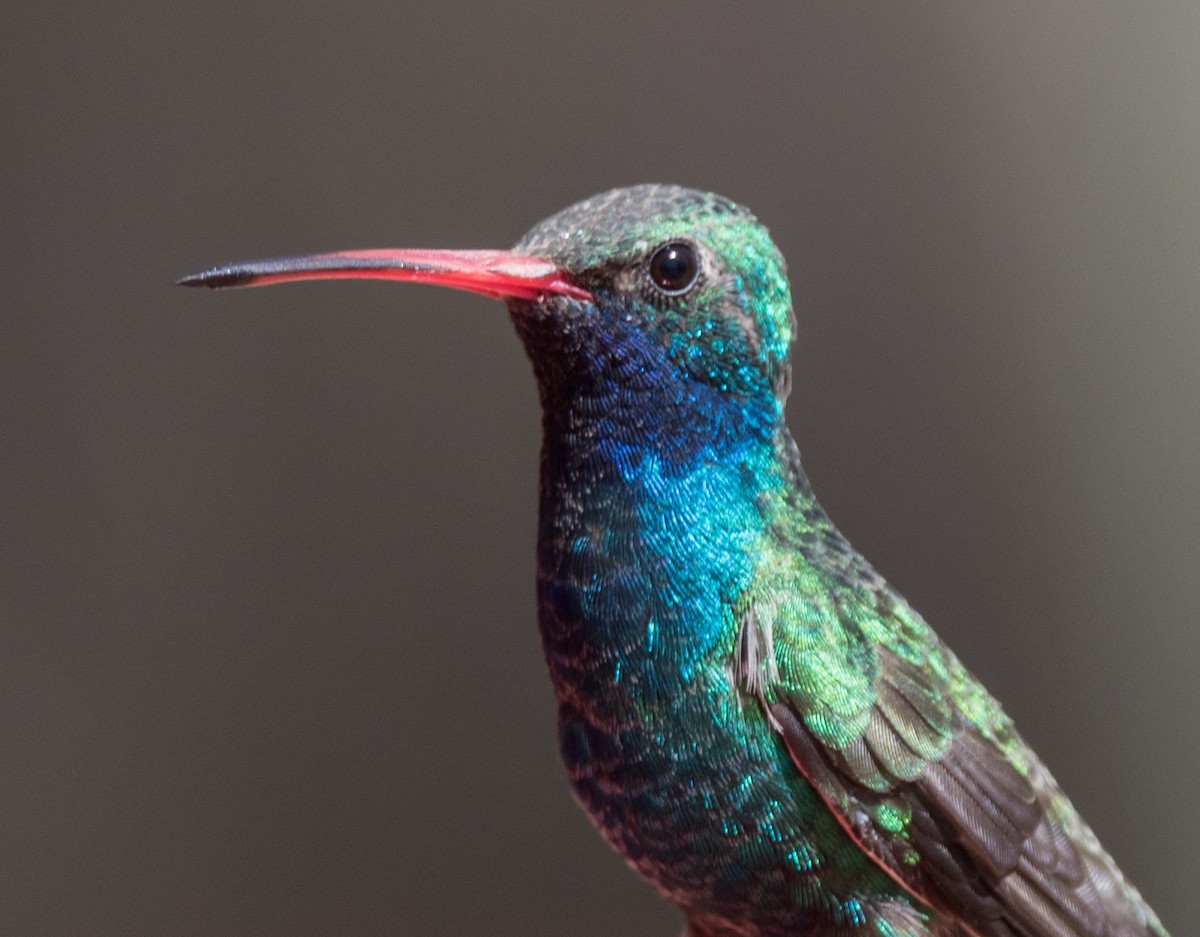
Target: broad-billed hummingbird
[[749, 713]]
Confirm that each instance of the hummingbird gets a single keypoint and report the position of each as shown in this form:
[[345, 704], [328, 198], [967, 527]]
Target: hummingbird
[[749, 713]]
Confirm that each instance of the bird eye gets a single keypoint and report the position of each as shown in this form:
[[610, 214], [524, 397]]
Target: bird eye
[[674, 267]]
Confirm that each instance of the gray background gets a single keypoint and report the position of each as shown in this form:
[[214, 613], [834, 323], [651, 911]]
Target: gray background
[[269, 664]]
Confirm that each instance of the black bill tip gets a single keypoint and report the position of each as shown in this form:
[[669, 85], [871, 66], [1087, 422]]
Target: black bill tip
[[218, 278]]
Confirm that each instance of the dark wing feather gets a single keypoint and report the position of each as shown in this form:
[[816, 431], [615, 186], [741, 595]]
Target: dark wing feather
[[993, 846]]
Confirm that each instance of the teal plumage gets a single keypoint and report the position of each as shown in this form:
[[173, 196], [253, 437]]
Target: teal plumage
[[749, 713]]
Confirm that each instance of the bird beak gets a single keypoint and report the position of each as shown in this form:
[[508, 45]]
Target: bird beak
[[498, 274]]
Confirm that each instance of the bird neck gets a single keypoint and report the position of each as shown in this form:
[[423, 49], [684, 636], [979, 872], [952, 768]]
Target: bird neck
[[656, 497], [616, 434]]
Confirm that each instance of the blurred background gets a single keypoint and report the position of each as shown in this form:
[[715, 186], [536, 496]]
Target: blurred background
[[268, 658]]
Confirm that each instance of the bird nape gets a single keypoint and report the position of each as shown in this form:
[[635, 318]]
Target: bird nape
[[748, 712]]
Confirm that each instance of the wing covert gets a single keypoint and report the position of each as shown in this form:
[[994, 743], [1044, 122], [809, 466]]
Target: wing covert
[[957, 811]]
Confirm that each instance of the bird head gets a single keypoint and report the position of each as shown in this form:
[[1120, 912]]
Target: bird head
[[674, 274], [668, 283]]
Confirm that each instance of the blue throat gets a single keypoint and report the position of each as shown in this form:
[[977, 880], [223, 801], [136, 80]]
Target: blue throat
[[650, 482]]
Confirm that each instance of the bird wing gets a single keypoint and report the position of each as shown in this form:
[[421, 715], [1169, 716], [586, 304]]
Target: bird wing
[[925, 772]]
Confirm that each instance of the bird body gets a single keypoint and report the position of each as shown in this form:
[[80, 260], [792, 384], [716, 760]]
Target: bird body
[[748, 712]]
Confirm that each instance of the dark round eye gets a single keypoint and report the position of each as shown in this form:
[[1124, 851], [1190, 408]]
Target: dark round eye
[[674, 267]]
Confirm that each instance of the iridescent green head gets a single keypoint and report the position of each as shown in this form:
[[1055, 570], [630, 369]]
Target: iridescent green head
[[688, 272], [653, 282]]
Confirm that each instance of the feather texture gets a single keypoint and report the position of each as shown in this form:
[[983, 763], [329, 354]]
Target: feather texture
[[749, 713]]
